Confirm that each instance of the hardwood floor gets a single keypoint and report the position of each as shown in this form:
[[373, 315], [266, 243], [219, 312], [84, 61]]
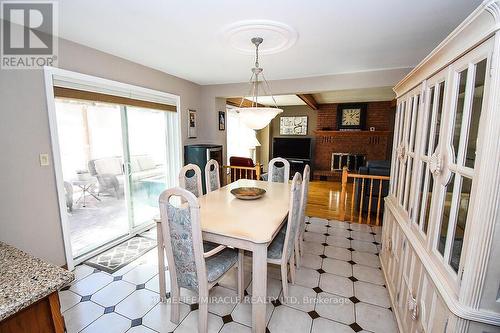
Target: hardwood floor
[[324, 199]]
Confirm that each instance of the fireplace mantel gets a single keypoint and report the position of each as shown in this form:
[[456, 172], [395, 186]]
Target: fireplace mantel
[[352, 133]]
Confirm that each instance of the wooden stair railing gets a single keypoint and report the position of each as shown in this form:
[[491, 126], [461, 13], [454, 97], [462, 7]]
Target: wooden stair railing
[[360, 179], [241, 172]]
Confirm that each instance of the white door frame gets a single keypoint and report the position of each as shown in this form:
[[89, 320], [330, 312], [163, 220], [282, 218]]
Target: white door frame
[[97, 84]]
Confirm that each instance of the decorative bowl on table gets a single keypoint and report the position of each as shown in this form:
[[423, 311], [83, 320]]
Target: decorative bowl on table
[[248, 193]]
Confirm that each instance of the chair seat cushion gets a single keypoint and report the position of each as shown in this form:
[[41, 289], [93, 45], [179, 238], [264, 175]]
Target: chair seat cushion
[[219, 263], [275, 249]]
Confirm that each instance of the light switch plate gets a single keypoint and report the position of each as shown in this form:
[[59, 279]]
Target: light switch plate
[[44, 159]]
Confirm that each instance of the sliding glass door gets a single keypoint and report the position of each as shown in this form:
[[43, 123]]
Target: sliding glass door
[[116, 160], [146, 162], [91, 154]]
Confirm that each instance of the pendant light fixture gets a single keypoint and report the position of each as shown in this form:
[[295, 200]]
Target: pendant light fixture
[[257, 117]]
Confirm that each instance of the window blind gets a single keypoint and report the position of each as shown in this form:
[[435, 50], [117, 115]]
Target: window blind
[[137, 101]]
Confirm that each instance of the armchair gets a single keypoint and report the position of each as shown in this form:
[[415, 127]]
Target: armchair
[[108, 181], [242, 162]]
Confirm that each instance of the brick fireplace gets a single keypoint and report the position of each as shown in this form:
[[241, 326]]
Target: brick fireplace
[[374, 145]]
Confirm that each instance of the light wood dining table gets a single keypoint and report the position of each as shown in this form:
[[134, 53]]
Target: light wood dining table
[[244, 224]]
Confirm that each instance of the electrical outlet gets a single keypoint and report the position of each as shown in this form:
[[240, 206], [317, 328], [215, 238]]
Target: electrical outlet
[[44, 159]]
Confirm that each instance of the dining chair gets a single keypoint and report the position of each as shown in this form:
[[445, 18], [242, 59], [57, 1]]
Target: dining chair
[[281, 249], [299, 240], [193, 264], [191, 183], [278, 174], [212, 176]]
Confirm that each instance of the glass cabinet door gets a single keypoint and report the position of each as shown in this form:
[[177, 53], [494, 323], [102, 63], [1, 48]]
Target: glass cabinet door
[[453, 164], [395, 161], [429, 128], [403, 135], [397, 150], [410, 147], [462, 150], [404, 149]]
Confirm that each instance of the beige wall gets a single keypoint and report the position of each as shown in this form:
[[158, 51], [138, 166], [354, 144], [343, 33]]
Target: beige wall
[[29, 213], [262, 153]]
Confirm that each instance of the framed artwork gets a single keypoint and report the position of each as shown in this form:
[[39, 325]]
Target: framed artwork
[[222, 121], [192, 123], [293, 125], [351, 117]]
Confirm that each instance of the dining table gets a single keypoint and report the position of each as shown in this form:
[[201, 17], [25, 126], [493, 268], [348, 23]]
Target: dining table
[[250, 225]]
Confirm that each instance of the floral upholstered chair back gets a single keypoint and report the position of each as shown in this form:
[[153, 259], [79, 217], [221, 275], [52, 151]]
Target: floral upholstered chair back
[[278, 174], [212, 176], [190, 179], [293, 215], [183, 240]]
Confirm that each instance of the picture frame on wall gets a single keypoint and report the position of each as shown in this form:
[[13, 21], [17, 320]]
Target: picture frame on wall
[[222, 120], [293, 125], [192, 122]]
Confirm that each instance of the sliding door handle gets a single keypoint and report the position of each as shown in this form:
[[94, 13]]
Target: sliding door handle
[[127, 169]]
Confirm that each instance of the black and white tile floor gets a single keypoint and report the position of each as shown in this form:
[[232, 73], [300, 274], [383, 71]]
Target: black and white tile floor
[[339, 288]]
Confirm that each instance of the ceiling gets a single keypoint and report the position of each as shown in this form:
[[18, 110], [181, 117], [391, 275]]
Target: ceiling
[[338, 96], [186, 38]]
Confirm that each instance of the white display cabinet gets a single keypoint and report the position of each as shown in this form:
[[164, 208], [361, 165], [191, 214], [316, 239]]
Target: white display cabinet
[[441, 237]]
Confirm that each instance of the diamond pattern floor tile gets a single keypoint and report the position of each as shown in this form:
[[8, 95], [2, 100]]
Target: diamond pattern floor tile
[[322, 325], [288, 320], [159, 317], [335, 307], [374, 318], [109, 323]]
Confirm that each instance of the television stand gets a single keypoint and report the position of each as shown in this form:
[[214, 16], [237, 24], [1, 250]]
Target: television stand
[[297, 165]]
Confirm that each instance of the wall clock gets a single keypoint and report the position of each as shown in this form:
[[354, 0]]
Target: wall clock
[[351, 116]]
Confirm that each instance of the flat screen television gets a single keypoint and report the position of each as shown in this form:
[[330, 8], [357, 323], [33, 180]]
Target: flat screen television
[[299, 148]]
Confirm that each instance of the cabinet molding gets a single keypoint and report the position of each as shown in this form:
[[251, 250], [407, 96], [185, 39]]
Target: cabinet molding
[[433, 270]]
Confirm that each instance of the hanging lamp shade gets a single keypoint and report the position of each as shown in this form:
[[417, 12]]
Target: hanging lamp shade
[[256, 116]]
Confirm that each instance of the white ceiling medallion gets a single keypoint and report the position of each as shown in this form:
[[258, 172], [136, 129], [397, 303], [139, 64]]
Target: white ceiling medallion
[[278, 36]]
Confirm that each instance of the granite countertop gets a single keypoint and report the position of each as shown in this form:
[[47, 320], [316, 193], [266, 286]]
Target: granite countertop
[[25, 279]]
